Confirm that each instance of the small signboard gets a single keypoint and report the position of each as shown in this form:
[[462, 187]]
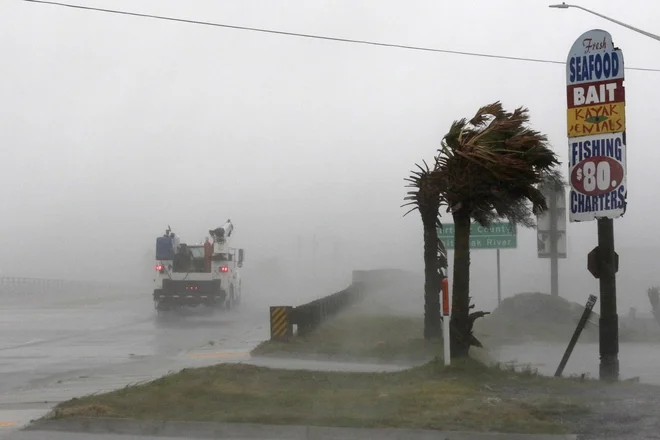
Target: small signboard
[[500, 235], [543, 226], [543, 244], [596, 128]]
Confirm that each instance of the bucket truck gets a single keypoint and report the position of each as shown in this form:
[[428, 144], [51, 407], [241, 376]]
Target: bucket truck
[[199, 274]]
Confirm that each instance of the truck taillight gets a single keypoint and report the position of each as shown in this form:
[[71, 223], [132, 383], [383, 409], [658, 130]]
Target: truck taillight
[[159, 268], [224, 269]]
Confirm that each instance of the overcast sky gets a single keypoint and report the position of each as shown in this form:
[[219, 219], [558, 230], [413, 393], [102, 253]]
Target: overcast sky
[[113, 127]]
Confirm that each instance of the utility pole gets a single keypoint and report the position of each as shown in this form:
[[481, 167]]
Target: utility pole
[[609, 319], [620, 23], [554, 238]]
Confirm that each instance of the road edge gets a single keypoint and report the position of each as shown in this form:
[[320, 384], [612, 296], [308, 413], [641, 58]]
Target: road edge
[[204, 430]]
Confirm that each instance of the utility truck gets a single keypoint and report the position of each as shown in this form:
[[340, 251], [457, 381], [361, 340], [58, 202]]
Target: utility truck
[[189, 275]]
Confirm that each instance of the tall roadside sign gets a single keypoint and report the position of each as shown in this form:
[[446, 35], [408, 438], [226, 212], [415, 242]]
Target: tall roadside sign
[[499, 235], [551, 231], [596, 120], [596, 128]]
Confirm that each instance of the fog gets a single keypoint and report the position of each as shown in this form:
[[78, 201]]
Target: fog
[[113, 127]]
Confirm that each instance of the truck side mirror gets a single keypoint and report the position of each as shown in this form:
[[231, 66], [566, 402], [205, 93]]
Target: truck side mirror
[[241, 256]]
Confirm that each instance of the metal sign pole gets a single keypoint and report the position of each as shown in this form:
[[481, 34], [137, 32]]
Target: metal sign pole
[[499, 279], [554, 242], [578, 330], [609, 319]]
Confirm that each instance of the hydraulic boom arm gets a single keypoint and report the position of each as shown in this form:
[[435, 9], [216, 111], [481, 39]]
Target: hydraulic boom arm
[[221, 234]]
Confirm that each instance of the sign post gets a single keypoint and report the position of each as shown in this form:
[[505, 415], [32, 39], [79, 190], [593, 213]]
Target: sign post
[[576, 334], [554, 260], [499, 235], [597, 166], [551, 231]]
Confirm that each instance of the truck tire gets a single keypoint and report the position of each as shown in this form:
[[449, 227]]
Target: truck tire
[[239, 292], [163, 312], [229, 302], [160, 307]]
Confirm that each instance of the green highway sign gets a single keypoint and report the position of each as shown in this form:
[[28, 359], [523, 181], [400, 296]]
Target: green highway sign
[[496, 236]]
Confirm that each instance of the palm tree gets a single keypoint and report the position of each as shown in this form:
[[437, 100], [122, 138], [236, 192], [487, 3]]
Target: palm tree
[[488, 168], [425, 198]]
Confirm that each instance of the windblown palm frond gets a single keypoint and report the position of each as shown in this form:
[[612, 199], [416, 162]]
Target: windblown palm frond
[[424, 196], [493, 163], [487, 168]]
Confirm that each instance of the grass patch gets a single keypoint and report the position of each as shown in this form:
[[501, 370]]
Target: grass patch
[[358, 335], [466, 396]]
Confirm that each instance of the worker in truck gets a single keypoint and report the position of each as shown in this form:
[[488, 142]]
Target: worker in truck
[[208, 253], [183, 259]]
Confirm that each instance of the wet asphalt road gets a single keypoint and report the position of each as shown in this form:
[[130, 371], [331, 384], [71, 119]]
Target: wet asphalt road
[[55, 349]]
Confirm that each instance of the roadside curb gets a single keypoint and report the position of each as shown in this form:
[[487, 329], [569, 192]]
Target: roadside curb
[[204, 430]]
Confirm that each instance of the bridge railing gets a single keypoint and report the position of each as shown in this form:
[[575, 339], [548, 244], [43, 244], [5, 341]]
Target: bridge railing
[[305, 318], [23, 287]]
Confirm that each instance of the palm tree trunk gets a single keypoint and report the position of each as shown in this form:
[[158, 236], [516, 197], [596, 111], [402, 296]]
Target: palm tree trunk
[[460, 310], [432, 323]]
